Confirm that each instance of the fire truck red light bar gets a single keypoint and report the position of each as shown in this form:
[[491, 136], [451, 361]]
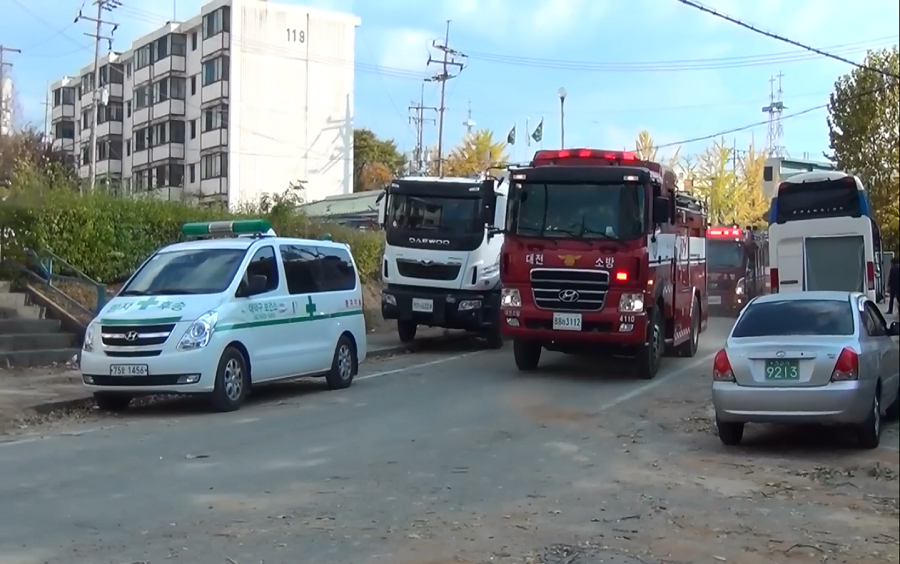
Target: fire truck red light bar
[[585, 154], [723, 232]]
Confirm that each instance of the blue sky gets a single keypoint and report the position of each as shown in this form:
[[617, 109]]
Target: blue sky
[[615, 59]]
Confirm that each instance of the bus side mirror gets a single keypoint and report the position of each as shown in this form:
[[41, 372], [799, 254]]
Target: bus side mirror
[[661, 210]]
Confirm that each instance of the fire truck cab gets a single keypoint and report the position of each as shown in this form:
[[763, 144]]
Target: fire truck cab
[[736, 261], [601, 252]]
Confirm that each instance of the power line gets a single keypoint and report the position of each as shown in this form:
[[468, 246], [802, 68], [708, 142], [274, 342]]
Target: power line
[[677, 65], [726, 17], [449, 60], [419, 119], [59, 31], [759, 123]]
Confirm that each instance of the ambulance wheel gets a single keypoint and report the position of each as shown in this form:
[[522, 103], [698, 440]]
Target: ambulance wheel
[[111, 401], [406, 330], [343, 365], [527, 354], [650, 353], [232, 381], [688, 348]]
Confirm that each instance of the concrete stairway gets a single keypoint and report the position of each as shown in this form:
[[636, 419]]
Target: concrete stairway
[[26, 337]]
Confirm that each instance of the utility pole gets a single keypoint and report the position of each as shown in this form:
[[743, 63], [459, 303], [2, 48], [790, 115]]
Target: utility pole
[[102, 5], [419, 120], [470, 125], [449, 60], [4, 111], [47, 105]]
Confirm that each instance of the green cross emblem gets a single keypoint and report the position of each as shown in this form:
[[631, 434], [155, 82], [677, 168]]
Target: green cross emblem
[[310, 306], [149, 302]]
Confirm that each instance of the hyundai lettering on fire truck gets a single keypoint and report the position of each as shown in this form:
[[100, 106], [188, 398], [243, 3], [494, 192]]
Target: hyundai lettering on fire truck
[[736, 260], [602, 252]]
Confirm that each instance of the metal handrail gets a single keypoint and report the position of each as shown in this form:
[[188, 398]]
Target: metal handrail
[[49, 265]]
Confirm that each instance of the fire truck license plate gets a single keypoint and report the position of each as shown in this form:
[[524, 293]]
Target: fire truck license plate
[[567, 322], [715, 300]]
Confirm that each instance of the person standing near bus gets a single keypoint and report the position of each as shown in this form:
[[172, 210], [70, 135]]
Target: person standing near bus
[[894, 284]]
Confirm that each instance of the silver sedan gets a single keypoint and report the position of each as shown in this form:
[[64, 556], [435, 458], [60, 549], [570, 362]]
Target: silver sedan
[[808, 357]]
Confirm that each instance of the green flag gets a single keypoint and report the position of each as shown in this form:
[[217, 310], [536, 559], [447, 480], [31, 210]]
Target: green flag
[[511, 138], [538, 132]]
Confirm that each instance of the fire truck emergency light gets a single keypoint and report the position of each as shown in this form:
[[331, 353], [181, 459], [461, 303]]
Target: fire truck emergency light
[[722, 232], [550, 155]]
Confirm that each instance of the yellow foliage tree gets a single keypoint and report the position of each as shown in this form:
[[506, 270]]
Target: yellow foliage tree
[[715, 180], [373, 176], [477, 153], [646, 150], [751, 203]]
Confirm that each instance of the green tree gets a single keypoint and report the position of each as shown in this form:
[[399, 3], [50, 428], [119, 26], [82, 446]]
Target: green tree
[[863, 122], [370, 153], [30, 168], [477, 153]]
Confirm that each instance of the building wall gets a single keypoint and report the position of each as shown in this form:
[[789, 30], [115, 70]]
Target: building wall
[[289, 93]]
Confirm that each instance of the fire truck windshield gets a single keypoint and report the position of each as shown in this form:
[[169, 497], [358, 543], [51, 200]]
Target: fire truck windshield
[[724, 254], [434, 214], [601, 211]]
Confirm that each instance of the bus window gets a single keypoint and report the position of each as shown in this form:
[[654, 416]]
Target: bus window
[[814, 200]]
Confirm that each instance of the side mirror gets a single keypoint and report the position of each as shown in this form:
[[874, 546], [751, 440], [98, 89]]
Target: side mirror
[[255, 286], [661, 210], [894, 329]]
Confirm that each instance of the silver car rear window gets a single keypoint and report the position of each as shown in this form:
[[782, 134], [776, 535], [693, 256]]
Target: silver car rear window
[[796, 317]]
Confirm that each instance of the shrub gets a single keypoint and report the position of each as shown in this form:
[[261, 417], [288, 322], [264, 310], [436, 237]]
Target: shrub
[[108, 237]]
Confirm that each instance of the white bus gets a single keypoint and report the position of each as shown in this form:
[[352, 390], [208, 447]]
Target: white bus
[[822, 236]]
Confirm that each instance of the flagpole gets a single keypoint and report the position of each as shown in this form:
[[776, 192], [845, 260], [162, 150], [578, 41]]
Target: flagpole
[[516, 140], [542, 132], [527, 137]]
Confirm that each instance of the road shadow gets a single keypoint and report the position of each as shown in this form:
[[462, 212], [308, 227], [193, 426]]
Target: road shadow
[[585, 368]]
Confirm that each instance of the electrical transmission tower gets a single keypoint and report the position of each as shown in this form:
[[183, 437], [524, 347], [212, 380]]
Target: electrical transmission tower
[[6, 116], [99, 22], [448, 61], [775, 109], [419, 120]]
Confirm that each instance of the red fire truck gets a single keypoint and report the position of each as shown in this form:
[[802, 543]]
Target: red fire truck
[[736, 261], [601, 252]]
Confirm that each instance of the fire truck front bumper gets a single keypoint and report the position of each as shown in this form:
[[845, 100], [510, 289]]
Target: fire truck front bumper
[[565, 329]]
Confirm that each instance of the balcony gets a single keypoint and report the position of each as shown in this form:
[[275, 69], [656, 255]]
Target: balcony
[[140, 158], [109, 167], [140, 116], [167, 151], [214, 91], [87, 98], [115, 90], [167, 193], [168, 108], [109, 128], [216, 43], [213, 187], [213, 138], [142, 75], [172, 63], [64, 111], [61, 144]]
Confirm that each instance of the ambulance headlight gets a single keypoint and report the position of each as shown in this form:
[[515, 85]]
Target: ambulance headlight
[[199, 333]]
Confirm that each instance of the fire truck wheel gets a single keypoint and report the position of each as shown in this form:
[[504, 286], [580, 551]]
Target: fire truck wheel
[[688, 348], [650, 354], [406, 330], [527, 353]]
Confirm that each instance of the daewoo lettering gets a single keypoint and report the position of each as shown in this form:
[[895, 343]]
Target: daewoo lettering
[[426, 241]]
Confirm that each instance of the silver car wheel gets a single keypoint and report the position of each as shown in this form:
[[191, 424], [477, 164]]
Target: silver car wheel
[[233, 379], [345, 362]]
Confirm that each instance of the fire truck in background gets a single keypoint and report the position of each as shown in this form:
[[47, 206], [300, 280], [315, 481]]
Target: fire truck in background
[[602, 252], [736, 262]]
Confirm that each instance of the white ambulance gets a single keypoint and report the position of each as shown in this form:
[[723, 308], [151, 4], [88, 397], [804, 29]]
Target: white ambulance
[[216, 315]]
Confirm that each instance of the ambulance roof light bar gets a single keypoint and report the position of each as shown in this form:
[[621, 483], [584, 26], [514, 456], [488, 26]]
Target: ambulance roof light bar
[[239, 227], [730, 232], [559, 154]]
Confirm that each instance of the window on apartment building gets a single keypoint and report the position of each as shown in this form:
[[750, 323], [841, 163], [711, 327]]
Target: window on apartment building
[[177, 87], [194, 85], [111, 112], [161, 48], [57, 97], [179, 44], [141, 139], [192, 173], [194, 41], [87, 82], [128, 108], [116, 74], [159, 134], [68, 96], [64, 130], [216, 22], [127, 144], [176, 131], [86, 119], [142, 97], [214, 165], [85, 155], [128, 69], [160, 91], [143, 57], [215, 117], [215, 70], [193, 129], [139, 179]]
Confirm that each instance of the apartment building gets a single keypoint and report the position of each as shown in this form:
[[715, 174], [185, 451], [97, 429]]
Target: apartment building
[[244, 99]]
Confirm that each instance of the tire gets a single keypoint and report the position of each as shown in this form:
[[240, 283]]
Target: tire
[[344, 365], [689, 348], [650, 353], [112, 402], [731, 434], [869, 432], [232, 381], [406, 330], [527, 355]]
